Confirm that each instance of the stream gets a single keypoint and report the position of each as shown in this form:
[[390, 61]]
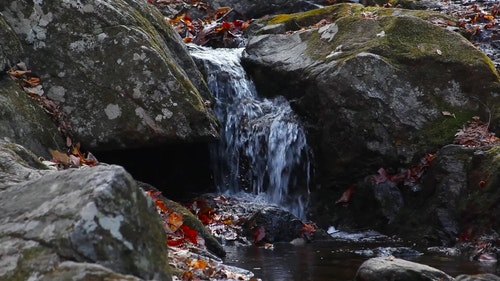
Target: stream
[[333, 261], [263, 152]]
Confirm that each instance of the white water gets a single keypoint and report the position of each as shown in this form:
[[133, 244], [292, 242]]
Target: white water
[[263, 148]]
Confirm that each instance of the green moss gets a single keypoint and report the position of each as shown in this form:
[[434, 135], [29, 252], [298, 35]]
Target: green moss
[[442, 131], [27, 264], [305, 19]]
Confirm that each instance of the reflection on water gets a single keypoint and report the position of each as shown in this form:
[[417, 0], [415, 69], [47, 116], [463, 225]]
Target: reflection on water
[[333, 261]]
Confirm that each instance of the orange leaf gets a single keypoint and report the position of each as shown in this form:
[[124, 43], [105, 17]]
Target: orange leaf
[[161, 205], [308, 228], [175, 220], [197, 263], [222, 11], [32, 81]]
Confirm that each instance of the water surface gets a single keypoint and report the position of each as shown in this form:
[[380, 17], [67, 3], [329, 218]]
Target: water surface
[[333, 261]]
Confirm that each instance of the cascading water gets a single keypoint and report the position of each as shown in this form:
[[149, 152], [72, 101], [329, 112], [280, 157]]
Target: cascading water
[[263, 147]]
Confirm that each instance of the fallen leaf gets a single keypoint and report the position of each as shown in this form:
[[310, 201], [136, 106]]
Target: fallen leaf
[[175, 220], [59, 157], [18, 73], [161, 206], [189, 234], [346, 196], [259, 234], [197, 263]]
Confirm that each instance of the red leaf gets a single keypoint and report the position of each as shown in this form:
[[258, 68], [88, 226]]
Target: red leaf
[[346, 196], [259, 234], [225, 25], [381, 177], [189, 234], [161, 205], [174, 242]]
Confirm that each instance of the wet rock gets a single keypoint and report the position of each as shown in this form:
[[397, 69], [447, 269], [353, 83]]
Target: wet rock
[[97, 218], [117, 69], [398, 252], [276, 225], [477, 277], [393, 269], [69, 270]]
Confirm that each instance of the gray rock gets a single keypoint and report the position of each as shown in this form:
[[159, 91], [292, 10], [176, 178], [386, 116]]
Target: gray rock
[[21, 119], [10, 46], [371, 86], [85, 271], [17, 164], [393, 269], [116, 68], [92, 215]]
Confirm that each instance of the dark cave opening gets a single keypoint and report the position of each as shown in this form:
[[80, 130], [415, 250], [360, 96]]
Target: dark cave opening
[[179, 171]]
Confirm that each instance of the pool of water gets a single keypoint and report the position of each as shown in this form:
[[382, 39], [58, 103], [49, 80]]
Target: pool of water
[[333, 261]]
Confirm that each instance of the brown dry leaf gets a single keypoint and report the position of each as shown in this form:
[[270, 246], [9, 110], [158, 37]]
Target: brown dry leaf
[[475, 133], [59, 157]]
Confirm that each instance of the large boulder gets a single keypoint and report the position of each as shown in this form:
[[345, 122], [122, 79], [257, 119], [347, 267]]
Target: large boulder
[[116, 68], [84, 223], [393, 269], [375, 87]]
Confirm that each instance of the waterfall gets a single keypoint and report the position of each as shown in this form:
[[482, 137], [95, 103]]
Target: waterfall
[[263, 148]]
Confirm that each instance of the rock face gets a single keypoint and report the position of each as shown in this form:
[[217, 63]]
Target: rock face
[[392, 269], [117, 69], [460, 197], [371, 85], [21, 119], [85, 223]]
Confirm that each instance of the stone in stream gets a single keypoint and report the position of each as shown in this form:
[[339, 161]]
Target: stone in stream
[[393, 269]]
